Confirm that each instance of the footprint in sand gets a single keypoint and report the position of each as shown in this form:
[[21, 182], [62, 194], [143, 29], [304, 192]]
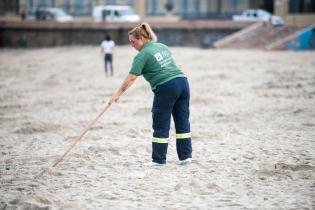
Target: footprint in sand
[[114, 151], [202, 189], [177, 187], [35, 203], [55, 173], [299, 167], [274, 167]]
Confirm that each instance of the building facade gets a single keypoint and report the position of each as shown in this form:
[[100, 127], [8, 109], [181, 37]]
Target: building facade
[[293, 11], [296, 12]]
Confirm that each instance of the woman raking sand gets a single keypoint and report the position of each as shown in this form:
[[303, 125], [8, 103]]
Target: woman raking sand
[[171, 93]]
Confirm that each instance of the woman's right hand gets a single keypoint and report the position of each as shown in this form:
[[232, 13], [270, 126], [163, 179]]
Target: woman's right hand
[[129, 80]]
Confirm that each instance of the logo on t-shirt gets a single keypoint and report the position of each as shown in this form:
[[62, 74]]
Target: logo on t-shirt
[[158, 56]]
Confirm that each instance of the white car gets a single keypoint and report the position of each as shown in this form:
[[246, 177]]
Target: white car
[[258, 15], [59, 15], [113, 13]]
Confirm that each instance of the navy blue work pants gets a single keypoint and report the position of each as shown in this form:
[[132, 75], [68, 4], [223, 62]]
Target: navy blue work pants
[[108, 60], [171, 99]]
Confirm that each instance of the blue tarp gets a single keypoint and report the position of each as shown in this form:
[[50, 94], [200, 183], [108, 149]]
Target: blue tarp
[[305, 40]]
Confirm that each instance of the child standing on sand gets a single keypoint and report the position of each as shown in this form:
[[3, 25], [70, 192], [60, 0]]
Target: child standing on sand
[[107, 47]]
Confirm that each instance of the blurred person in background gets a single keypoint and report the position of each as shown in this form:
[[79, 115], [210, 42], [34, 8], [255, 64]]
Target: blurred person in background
[[171, 93], [23, 14], [107, 47]]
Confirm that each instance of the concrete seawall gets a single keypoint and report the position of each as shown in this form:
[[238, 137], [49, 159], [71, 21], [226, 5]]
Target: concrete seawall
[[48, 33]]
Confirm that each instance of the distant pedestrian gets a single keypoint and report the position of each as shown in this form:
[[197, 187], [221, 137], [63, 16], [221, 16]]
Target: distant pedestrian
[[23, 14], [107, 48]]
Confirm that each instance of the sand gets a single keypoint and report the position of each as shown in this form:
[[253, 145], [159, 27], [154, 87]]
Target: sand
[[252, 119]]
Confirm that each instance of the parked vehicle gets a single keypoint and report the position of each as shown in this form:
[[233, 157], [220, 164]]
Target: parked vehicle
[[52, 13], [258, 15], [115, 13]]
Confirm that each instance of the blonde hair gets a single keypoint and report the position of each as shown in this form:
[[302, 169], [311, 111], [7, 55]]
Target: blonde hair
[[145, 31]]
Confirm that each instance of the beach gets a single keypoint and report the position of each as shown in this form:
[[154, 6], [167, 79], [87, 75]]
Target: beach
[[252, 116]]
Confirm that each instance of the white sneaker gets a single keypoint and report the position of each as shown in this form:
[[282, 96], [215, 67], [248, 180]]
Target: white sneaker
[[151, 163], [186, 161]]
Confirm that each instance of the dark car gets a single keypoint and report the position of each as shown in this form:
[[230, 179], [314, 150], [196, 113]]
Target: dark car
[[52, 13]]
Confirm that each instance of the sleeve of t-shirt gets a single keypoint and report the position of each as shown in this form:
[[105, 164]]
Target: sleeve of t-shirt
[[137, 65]]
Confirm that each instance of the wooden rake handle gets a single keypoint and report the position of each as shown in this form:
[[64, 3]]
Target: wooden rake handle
[[79, 138]]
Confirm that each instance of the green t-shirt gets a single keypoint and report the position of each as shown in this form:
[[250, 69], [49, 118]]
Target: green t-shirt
[[156, 64]]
